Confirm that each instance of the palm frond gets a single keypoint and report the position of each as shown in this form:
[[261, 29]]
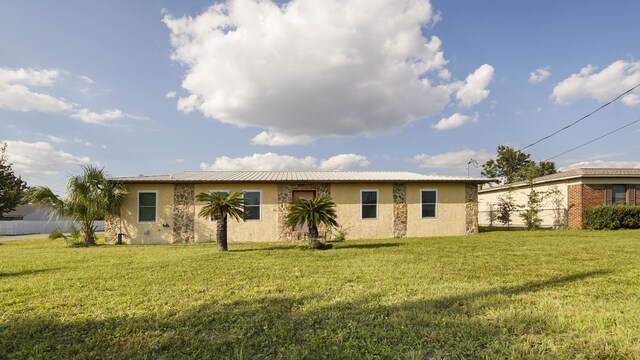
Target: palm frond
[[316, 211], [220, 205]]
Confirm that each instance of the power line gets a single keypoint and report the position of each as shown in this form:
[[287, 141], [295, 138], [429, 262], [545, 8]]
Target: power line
[[596, 139], [582, 118]]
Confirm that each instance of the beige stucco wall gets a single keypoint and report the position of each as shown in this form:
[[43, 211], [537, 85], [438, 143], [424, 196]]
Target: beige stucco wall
[[520, 196], [347, 199], [450, 212], [134, 232], [264, 229], [450, 218]]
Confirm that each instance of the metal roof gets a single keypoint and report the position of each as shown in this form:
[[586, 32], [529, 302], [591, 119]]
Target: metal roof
[[574, 174], [293, 176]]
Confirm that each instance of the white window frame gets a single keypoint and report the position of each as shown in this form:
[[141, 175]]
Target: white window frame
[[219, 191], [259, 206], [377, 203], [138, 206], [436, 204]]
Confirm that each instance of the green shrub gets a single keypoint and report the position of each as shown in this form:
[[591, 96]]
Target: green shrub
[[340, 234], [612, 217]]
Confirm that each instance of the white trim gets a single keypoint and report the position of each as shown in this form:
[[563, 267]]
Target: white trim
[[259, 206], [436, 204], [377, 203], [138, 206]]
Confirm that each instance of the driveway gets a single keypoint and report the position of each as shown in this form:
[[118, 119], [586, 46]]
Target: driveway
[[30, 236], [23, 237]]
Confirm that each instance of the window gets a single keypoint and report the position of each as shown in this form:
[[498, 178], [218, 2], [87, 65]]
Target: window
[[369, 201], [223, 192], [147, 206], [252, 205], [619, 194], [429, 202]]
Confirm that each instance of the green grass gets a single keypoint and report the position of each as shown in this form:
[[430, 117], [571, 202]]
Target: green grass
[[547, 294]]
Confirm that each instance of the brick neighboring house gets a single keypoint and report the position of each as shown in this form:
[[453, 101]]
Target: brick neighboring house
[[580, 189]]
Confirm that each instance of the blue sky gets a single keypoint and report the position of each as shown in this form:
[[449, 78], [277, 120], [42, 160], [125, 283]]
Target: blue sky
[[152, 87]]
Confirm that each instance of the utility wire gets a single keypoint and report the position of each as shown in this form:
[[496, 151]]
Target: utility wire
[[582, 118], [596, 139]]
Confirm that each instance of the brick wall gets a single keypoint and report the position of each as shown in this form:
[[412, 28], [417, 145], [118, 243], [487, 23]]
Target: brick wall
[[581, 197], [574, 204]]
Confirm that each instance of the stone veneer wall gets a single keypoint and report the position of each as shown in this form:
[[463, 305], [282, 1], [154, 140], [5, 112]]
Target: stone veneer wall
[[399, 210], [285, 193], [471, 208], [581, 197], [183, 213]]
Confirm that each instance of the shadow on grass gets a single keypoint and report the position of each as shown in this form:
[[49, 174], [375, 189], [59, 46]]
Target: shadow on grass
[[271, 248], [364, 246], [528, 287], [24, 272], [297, 327]]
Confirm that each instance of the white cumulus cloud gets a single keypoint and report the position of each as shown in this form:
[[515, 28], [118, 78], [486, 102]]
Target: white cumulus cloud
[[170, 95], [305, 69], [41, 158], [602, 164], [453, 160], [539, 75], [97, 118], [601, 86], [454, 121], [473, 90], [55, 139], [344, 162], [275, 162], [275, 139], [17, 93]]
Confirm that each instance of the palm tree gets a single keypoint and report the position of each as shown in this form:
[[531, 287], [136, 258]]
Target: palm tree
[[90, 196], [313, 212], [221, 206]]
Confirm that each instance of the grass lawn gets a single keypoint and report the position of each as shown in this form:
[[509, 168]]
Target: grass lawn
[[546, 294]]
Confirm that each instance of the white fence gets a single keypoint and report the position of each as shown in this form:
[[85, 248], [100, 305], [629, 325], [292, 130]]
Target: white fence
[[23, 227]]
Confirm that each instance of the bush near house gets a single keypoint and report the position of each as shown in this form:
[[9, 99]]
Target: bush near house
[[612, 217]]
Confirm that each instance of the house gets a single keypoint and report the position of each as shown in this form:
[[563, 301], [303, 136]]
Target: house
[[162, 209], [19, 213], [568, 194]]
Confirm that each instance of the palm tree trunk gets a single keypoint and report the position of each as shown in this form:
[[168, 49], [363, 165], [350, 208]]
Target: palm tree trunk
[[313, 234], [89, 234], [221, 234]]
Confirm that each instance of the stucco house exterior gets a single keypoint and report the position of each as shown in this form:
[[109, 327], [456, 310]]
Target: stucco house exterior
[[572, 191], [371, 205]]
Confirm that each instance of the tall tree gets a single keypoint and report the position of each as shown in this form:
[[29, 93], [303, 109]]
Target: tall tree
[[220, 207], [12, 187], [313, 212], [90, 196], [513, 165]]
